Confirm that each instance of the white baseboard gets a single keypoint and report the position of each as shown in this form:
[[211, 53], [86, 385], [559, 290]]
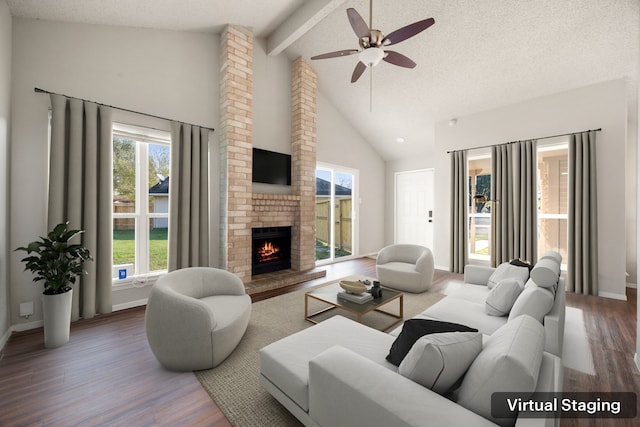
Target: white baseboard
[[636, 358], [441, 267], [19, 327], [611, 295], [632, 285], [129, 304]]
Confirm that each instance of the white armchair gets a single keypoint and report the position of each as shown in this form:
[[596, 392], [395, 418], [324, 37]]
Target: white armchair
[[195, 317], [405, 267]]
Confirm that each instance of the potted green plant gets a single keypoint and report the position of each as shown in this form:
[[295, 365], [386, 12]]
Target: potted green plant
[[58, 263]]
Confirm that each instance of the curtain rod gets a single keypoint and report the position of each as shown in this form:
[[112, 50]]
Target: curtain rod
[[514, 142], [38, 90]]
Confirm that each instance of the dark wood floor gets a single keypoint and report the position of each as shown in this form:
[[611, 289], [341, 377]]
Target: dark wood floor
[[107, 375]]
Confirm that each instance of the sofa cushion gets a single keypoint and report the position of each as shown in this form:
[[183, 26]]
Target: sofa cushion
[[546, 273], [502, 296], [506, 270], [467, 291], [438, 361], [552, 255], [413, 329], [464, 312], [398, 266], [509, 362], [534, 301]]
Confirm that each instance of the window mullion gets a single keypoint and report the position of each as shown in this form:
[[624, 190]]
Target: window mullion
[[142, 184]]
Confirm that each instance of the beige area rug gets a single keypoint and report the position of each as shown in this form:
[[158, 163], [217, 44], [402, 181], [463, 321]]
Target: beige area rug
[[234, 384]]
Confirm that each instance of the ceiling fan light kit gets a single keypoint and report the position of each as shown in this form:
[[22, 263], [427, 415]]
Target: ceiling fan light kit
[[371, 56], [373, 42]]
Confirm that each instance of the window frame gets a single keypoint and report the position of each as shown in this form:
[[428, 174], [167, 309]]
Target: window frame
[[143, 137], [333, 170]]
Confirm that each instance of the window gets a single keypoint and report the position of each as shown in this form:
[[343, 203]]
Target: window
[[335, 212], [552, 177], [141, 164], [553, 188], [479, 206]]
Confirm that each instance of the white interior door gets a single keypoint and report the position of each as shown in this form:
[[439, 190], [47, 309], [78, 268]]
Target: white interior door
[[414, 207]]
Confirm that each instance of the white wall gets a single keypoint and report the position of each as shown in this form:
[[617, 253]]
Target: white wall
[[271, 100], [602, 105], [5, 104], [339, 144], [165, 73]]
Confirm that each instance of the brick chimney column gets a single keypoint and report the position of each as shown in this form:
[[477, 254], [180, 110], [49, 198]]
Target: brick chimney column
[[303, 140], [236, 127]]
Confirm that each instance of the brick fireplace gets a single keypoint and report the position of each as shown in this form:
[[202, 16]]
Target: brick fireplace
[[241, 209]]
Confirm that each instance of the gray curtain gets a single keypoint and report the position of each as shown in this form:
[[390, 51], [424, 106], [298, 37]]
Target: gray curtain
[[189, 197], [514, 194], [582, 262], [80, 176], [458, 255]]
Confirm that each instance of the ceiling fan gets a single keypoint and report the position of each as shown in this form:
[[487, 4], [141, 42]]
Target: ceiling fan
[[373, 43]]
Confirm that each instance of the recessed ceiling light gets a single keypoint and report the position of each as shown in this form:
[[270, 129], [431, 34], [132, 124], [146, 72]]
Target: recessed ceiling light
[[453, 122], [399, 140]]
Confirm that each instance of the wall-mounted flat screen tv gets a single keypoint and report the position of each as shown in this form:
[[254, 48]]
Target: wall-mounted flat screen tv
[[270, 167]]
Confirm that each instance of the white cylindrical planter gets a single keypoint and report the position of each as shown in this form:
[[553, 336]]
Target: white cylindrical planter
[[56, 310]]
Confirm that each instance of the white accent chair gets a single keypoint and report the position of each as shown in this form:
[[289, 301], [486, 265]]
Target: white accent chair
[[196, 317], [405, 267]]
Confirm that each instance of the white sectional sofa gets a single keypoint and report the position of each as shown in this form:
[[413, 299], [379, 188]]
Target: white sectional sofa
[[337, 373], [543, 299]]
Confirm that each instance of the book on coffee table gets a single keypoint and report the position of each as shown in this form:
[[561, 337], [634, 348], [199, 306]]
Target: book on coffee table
[[360, 299]]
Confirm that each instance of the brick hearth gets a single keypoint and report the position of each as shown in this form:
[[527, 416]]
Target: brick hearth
[[241, 209]]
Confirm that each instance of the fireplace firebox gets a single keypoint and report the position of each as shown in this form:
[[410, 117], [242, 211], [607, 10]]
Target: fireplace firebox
[[271, 249]]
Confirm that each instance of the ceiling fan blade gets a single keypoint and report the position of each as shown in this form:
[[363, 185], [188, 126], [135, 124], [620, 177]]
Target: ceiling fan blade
[[357, 72], [399, 59], [357, 23], [406, 32], [336, 54]]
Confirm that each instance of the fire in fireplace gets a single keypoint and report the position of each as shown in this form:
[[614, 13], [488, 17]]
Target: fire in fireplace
[[268, 252], [271, 249]]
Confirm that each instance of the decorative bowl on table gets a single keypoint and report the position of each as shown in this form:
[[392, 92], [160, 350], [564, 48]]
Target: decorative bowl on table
[[353, 287]]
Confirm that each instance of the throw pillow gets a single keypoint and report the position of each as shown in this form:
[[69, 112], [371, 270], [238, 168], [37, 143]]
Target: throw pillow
[[413, 329], [509, 362], [506, 270], [535, 301], [546, 273], [502, 297], [438, 361]]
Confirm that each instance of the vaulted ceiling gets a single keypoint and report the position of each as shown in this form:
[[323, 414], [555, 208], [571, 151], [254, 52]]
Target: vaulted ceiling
[[479, 55]]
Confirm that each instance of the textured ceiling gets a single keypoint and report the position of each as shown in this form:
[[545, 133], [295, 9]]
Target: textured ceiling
[[479, 55]]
